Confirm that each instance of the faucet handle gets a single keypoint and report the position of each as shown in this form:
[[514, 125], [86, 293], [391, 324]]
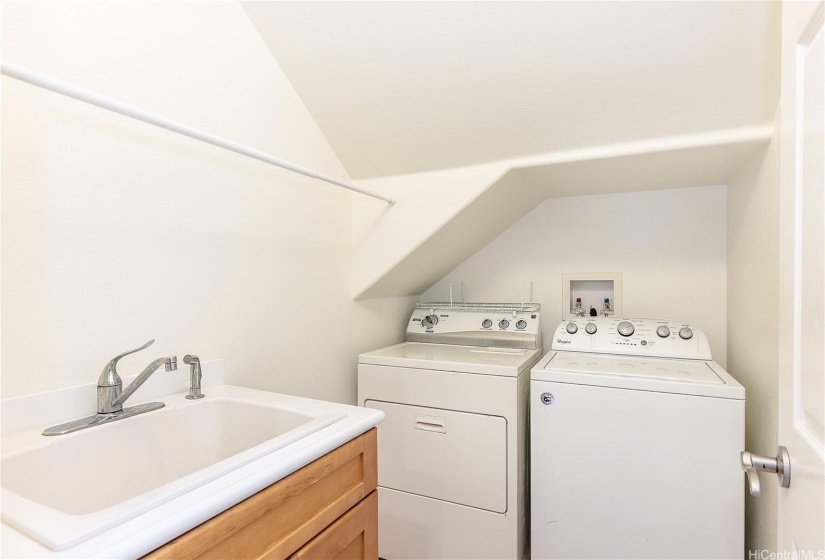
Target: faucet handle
[[109, 376], [144, 347]]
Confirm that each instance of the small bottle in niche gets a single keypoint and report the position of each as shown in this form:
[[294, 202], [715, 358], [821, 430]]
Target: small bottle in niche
[[593, 312]]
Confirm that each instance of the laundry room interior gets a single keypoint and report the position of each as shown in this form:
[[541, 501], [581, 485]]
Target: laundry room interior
[[279, 189]]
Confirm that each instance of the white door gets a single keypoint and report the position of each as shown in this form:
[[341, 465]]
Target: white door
[[801, 515]]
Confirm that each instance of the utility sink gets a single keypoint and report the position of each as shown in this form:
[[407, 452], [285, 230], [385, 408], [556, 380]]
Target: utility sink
[[66, 489]]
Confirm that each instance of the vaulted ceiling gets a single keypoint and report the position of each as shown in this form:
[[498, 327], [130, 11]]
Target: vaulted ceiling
[[403, 87]]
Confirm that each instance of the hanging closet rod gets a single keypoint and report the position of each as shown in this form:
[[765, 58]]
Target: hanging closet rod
[[70, 90]]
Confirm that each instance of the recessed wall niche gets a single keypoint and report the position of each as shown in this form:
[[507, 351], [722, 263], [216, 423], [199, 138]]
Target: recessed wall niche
[[593, 288]]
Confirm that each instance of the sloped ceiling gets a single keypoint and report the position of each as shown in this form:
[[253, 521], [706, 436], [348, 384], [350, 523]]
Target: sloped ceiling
[[403, 87]]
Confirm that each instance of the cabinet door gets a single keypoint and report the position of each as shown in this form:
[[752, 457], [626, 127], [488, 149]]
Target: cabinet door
[[354, 536]]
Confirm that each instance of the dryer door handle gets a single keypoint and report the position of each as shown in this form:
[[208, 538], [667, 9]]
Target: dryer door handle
[[431, 424]]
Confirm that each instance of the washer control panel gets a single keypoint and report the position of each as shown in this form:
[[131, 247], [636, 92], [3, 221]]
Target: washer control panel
[[637, 337]]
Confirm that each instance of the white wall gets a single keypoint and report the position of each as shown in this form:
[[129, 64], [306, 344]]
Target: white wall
[[115, 232], [669, 246], [753, 320]]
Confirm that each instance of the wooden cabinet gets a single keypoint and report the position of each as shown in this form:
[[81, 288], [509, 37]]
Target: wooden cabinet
[[328, 509], [353, 536]]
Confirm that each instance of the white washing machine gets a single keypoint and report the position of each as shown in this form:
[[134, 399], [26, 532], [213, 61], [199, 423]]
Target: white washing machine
[[452, 451], [635, 441]]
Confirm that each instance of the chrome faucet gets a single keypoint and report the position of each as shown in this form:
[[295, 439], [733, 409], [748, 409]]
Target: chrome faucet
[[195, 376], [111, 395]]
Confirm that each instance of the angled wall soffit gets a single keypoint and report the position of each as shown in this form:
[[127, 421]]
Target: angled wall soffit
[[408, 259]]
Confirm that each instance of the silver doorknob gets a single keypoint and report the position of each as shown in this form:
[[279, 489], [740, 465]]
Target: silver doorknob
[[779, 465]]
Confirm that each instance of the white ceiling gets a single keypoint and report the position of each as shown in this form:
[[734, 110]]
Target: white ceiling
[[401, 87]]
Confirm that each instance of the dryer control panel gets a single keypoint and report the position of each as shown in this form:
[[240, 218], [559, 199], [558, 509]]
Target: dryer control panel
[[634, 337], [503, 325]]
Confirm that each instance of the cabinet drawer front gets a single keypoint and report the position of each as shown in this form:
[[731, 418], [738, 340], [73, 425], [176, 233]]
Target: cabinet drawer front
[[281, 518], [352, 537]]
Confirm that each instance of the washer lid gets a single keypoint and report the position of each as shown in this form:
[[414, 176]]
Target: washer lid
[[688, 377], [448, 357]]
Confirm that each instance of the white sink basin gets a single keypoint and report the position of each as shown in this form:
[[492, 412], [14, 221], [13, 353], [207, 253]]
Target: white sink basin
[[63, 490]]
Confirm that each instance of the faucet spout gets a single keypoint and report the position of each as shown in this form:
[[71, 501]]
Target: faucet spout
[[170, 363]]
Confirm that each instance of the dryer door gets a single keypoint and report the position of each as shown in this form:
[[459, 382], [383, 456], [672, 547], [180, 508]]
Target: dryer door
[[457, 457]]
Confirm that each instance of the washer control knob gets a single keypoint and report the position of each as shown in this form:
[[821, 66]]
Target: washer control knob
[[590, 328], [663, 331], [429, 321], [572, 328], [626, 328], [521, 324], [486, 323], [503, 324], [686, 333]]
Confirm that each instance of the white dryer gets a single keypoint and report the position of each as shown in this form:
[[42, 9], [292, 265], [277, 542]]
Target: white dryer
[[635, 441], [452, 451]]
